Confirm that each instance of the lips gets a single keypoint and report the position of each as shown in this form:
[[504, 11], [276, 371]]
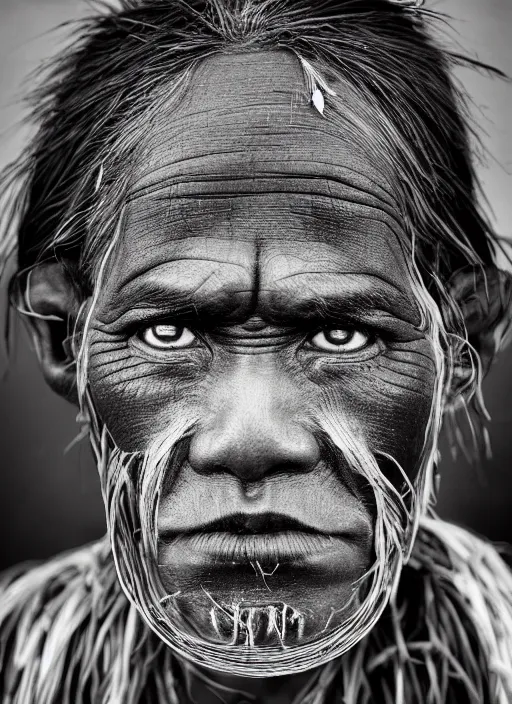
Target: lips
[[263, 538]]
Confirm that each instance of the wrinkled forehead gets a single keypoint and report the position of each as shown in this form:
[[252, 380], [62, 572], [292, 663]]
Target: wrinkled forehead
[[239, 167], [246, 123]]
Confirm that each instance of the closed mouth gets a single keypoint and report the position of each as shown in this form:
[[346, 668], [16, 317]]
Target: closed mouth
[[254, 538], [279, 546]]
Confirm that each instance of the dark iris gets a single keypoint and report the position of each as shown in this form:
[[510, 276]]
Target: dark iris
[[338, 337], [167, 337], [167, 333]]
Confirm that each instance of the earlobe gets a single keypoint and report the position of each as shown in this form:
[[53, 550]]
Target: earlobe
[[48, 303], [484, 296]]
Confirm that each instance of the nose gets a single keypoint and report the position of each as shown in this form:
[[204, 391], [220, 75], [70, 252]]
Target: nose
[[255, 431]]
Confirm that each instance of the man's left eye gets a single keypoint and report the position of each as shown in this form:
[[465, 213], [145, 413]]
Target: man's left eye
[[167, 337], [340, 340]]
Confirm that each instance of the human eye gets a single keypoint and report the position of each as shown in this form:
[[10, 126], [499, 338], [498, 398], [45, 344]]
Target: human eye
[[163, 336], [341, 340]]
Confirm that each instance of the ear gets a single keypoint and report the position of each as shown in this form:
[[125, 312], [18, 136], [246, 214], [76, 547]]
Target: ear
[[49, 304], [484, 296]]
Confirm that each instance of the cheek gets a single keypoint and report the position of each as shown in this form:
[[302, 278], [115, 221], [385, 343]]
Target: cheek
[[388, 399], [138, 399]]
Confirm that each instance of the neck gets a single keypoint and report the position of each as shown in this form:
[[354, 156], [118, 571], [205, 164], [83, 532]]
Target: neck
[[204, 686]]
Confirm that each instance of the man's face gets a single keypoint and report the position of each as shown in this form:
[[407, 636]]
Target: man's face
[[260, 288]]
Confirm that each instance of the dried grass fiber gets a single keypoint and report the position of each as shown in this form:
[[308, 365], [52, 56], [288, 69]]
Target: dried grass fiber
[[70, 636]]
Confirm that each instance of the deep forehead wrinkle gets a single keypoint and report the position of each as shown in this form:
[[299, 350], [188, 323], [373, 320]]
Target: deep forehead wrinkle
[[248, 117], [242, 163], [208, 250], [363, 238], [319, 296]]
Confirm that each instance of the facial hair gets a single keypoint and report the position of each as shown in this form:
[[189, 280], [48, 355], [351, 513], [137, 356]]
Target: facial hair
[[131, 485]]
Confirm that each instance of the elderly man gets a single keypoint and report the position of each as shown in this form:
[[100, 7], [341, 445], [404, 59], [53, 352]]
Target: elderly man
[[249, 250]]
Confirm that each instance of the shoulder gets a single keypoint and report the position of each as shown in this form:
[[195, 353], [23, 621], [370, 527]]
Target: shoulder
[[46, 615], [453, 610], [31, 587], [29, 592], [472, 571]]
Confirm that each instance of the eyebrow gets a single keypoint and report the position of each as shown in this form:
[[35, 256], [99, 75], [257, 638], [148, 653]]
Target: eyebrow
[[286, 304], [367, 293]]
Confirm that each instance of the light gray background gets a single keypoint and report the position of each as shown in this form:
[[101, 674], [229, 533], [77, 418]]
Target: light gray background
[[50, 500]]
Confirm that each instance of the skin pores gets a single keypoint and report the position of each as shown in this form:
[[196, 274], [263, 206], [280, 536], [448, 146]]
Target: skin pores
[[259, 285]]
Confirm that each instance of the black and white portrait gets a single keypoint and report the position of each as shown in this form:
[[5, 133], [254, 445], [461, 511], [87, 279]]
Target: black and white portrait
[[257, 288]]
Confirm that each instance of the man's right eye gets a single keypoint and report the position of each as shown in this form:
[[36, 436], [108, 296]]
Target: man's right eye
[[167, 337]]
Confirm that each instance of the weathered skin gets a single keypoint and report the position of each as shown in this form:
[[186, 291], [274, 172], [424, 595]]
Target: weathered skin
[[256, 223]]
